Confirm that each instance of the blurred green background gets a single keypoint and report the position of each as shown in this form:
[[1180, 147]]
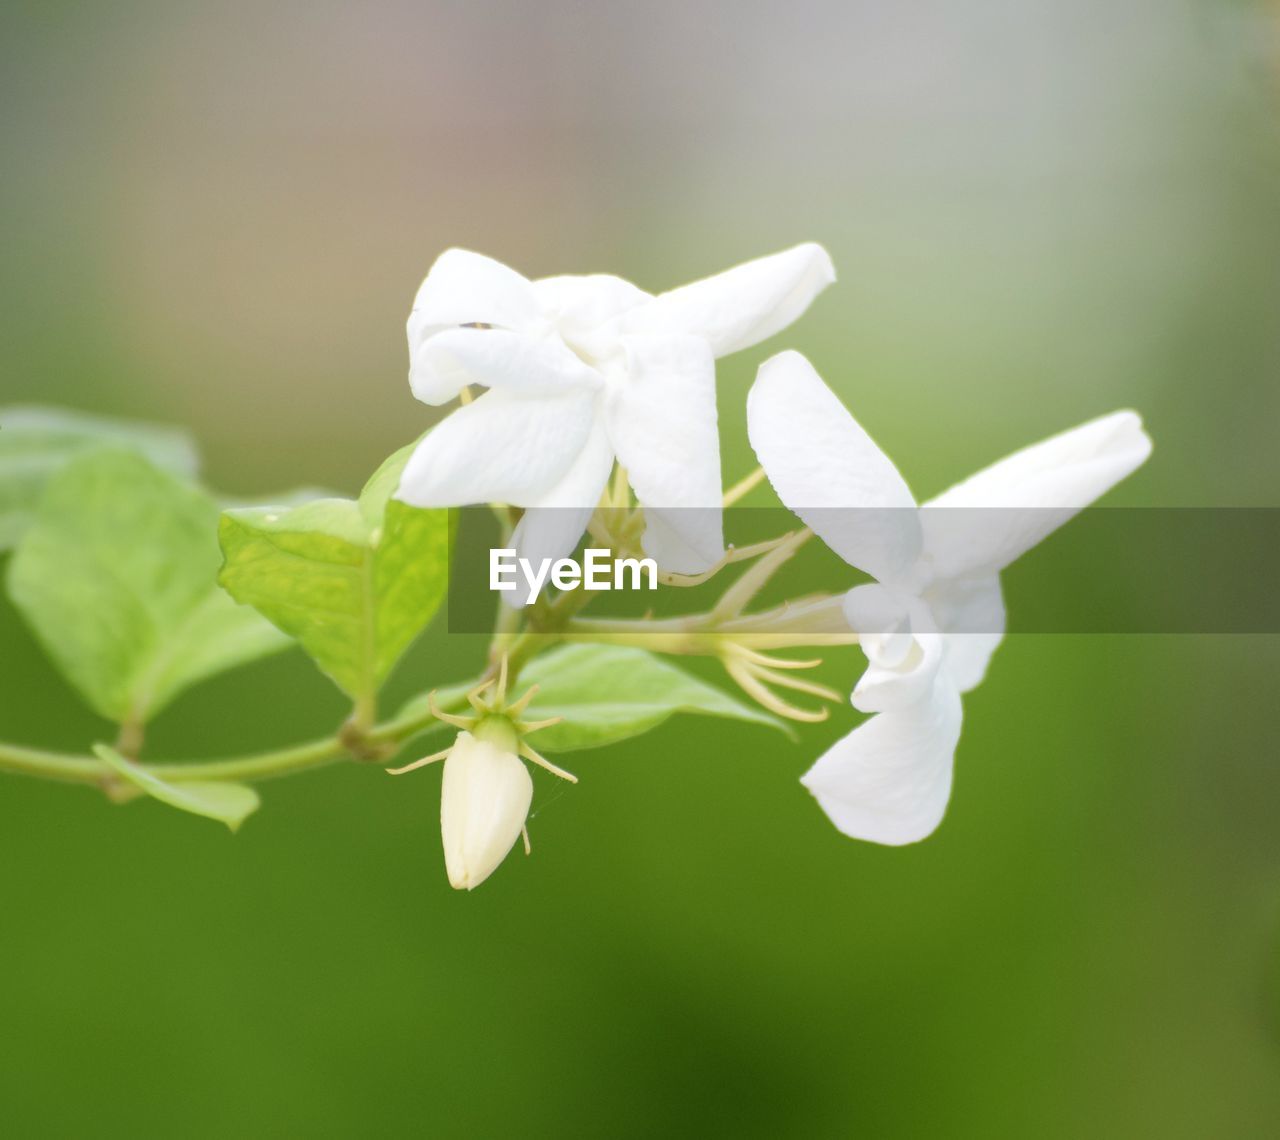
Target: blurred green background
[[1040, 210]]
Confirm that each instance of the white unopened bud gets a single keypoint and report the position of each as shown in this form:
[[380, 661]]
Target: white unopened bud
[[484, 802]]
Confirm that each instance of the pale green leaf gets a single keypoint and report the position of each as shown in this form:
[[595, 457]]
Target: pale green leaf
[[35, 443], [607, 693], [293, 497], [382, 484], [226, 802], [116, 576], [353, 582]]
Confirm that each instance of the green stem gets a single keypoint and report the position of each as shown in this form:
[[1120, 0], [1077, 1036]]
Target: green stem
[[83, 769], [813, 621], [544, 624], [257, 766], [364, 714], [51, 765]]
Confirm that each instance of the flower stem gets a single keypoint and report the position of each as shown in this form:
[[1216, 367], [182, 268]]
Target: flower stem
[[538, 627], [815, 621], [744, 487]]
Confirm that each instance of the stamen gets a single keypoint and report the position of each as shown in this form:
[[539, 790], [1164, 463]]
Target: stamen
[[798, 684], [754, 688], [777, 662]]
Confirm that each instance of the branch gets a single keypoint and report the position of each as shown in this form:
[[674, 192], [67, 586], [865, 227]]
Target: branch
[[84, 769]]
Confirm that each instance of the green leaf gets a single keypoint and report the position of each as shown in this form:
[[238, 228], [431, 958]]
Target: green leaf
[[228, 803], [353, 581], [116, 576], [293, 497], [35, 443], [608, 693]]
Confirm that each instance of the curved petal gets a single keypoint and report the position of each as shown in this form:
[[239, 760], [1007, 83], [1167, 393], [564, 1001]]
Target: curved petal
[[889, 780], [903, 646], [881, 617], [579, 304], [466, 288], [502, 448], [970, 612], [551, 529], [827, 470], [742, 306], [662, 423], [484, 801], [1029, 495], [495, 358]]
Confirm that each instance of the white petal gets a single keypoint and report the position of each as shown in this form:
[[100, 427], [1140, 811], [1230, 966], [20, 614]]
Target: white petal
[[903, 646], [578, 305], [1029, 495], [970, 612], [662, 423], [502, 448], [467, 288], [484, 801], [495, 358], [463, 288], [880, 616], [827, 470], [552, 528], [889, 780], [743, 306]]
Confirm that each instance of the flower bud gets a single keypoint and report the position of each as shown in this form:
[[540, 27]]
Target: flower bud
[[484, 801]]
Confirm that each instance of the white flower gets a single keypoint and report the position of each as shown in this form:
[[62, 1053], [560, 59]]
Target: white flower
[[484, 801], [935, 614], [580, 370]]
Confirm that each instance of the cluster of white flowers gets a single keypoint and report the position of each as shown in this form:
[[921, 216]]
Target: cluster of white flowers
[[581, 372]]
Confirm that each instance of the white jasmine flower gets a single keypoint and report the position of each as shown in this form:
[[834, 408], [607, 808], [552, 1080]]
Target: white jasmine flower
[[580, 371], [935, 615], [484, 801]]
